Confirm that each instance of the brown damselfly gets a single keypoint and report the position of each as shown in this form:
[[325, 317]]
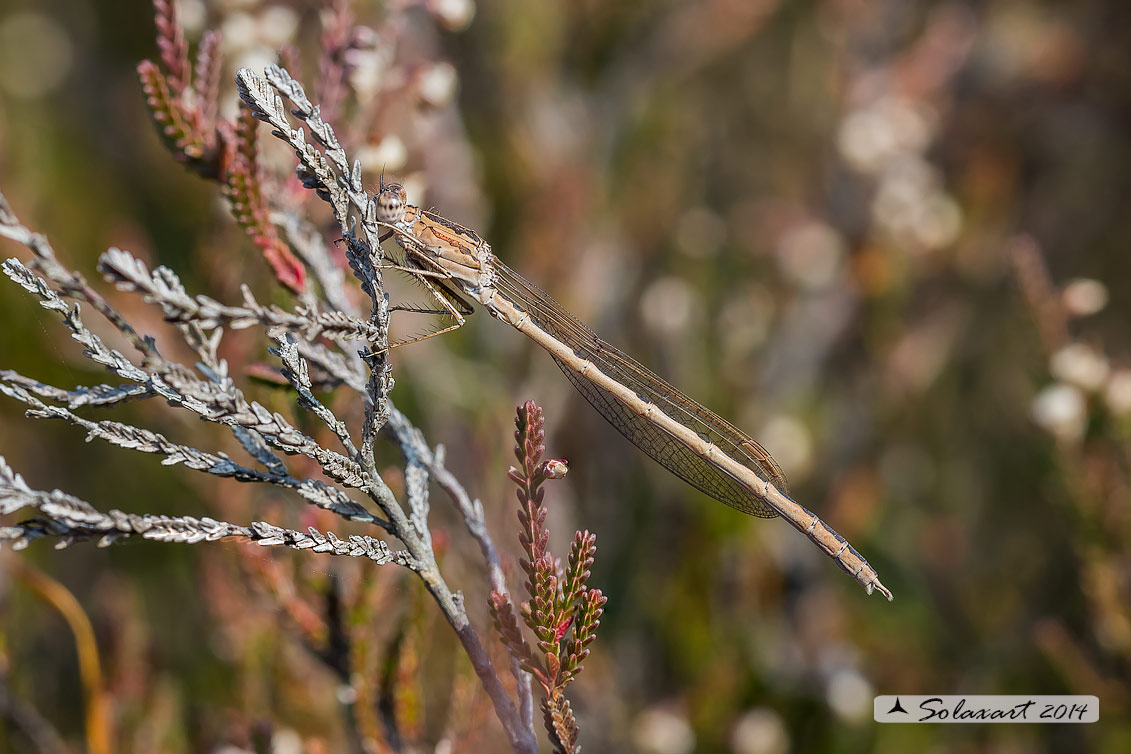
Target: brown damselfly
[[683, 436]]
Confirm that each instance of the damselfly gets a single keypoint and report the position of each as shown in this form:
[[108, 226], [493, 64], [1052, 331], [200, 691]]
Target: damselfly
[[687, 439]]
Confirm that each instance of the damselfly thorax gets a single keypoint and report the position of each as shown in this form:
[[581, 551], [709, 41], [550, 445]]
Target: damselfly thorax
[[438, 246]]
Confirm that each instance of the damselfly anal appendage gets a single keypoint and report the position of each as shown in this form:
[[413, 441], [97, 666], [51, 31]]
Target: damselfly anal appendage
[[683, 436]]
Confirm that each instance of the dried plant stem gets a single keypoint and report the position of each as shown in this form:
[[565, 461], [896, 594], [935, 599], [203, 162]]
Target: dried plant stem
[[324, 167], [411, 439], [70, 519]]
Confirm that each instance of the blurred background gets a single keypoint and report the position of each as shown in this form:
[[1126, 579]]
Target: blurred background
[[887, 238]]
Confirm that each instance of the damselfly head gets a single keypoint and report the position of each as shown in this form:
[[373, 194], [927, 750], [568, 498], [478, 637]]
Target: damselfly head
[[391, 201]]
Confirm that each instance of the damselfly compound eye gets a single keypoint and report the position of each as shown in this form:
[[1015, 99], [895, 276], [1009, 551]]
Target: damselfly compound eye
[[391, 200]]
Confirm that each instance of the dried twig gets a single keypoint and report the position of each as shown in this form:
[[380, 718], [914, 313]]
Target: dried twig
[[325, 168], [70, 519]]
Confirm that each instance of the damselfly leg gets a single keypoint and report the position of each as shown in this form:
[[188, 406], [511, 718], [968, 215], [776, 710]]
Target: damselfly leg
[[453, 307]]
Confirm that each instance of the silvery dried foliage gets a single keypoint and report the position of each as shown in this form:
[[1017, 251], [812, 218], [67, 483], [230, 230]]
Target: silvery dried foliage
[[311, 335], [320, 334]]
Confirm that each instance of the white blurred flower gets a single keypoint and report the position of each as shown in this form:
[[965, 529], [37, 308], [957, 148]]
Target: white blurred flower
[[912, 123], [760, 731], [416, 186], [939, 221], [1061, 410], [346, 694], [1080, 365], [908, 188], [239, 30], [662, 731], [668, 305], [228, 6], [277, 25], [888, 139], [366, 70], [389, 154], [908, 179], [810, 255], [872, 135], [849, 694], [453, 14], [1118, 393], [1084, 296], [287, 741], [790, 443], [269, 30], [864, 140], [192, 14], [438, 84]]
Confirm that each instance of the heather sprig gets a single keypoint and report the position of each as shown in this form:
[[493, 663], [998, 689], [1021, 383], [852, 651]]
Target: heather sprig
[[171, 44], [178, 101], [184, 105], [209, 66], [177, 124], [242, 184], [563, 613]]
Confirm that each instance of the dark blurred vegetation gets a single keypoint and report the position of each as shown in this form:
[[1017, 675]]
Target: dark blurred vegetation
[[886, 237]]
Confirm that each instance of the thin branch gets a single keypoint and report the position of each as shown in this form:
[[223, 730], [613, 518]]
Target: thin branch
[[208, 401], [162, 286], [297, 371], [413, 445], [96, 395], [71, 519], [328, 172], [313, 491]]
